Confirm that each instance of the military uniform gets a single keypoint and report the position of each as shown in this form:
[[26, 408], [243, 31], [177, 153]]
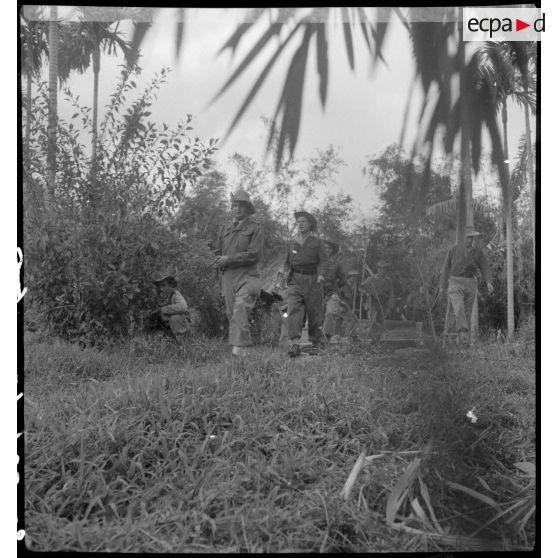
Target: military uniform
[[459, 275], [338, 315], [380, 298], [242, 243], [306, 260], [172, 315]]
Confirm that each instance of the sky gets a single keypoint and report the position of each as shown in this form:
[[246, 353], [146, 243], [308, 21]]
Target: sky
[[364, 112]]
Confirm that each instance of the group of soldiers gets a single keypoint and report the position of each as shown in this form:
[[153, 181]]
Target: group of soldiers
[[317, 291]]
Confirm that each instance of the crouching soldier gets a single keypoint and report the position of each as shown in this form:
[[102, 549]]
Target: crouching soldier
[[172, 315]]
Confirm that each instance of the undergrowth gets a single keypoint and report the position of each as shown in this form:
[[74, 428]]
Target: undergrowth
[[155, 447]]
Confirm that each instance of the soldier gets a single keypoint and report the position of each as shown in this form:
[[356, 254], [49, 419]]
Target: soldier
[[379, 291], [305, 267], [458, 278], [338, 316], [173, 314], [239, 249]]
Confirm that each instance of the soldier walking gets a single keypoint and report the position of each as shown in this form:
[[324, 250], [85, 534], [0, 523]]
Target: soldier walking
[[305, 267], [459, 276], [239, 249]]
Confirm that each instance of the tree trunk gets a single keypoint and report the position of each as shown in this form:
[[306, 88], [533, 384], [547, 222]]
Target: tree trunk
[[52, 105], [465, 215], [96, 70], [531, 171], [28, 92], [464, 210], [509, 227]]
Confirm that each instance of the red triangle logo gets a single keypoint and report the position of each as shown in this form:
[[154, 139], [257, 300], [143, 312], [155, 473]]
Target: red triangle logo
[[519, 24]]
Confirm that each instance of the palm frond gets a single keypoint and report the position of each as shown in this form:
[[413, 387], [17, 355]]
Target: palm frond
[[347, 33], [273, 30], [291, 99], [261, 78], [322, 60]]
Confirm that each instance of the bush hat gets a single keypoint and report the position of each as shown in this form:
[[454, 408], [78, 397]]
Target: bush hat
[[309, 216], [382, 263], [163, 277], [241, 196], [352, 272], [333, 245], [470, 231]]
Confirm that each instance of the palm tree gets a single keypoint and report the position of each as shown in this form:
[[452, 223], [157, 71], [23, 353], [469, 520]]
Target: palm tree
[[52, 105], [86, 41], [497, 79], [34, 49]]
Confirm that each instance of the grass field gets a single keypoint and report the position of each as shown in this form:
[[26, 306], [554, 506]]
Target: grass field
[[154, 448]]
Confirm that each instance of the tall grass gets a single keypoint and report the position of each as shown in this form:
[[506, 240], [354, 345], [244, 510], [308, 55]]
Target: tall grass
[[155, 447]]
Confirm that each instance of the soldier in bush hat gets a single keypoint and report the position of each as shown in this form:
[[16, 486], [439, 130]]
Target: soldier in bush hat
[[336, 309], [459, 277], [305, 266], [239, 249], [173, 314], [380, 299]]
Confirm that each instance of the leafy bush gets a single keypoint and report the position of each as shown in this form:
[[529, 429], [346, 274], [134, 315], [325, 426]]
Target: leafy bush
[[91, 254]]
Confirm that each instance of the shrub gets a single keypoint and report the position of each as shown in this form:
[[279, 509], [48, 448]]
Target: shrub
[[92, 255]]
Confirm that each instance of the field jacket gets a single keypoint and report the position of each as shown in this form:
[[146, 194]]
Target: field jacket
[[242, 243]]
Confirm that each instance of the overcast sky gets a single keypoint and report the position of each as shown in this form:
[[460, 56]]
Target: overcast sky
[[364, 111]]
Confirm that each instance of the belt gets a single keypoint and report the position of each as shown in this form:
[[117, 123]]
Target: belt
[[306, 272]]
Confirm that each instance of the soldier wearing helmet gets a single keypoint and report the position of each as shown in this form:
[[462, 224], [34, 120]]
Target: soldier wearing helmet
[[239, 250], [173, 314]]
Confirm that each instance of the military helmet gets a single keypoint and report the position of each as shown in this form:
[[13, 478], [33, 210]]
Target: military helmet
[[163, 276], [243, 197], [470, 231], [382, 263], [332, 244]]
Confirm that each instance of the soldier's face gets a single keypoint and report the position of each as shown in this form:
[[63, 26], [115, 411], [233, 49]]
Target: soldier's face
[[471, 241], [303, 224], [329, 250], [240, 211], [164, 288]]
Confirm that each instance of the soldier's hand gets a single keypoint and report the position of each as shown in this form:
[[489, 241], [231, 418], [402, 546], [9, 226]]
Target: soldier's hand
[[489, 287], [320, 279], [221, 261]]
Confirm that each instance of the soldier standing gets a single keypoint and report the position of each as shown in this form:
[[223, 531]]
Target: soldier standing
[[379, 290], [239, 249], [459, 276], [305, 267], [337, 311]]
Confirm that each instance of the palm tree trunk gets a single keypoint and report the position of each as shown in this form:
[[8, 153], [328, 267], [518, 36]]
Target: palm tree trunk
[[52, 105], [509, 227], [530, 170], [96, 70], [465, 200], [28, 92], [465, 215]]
